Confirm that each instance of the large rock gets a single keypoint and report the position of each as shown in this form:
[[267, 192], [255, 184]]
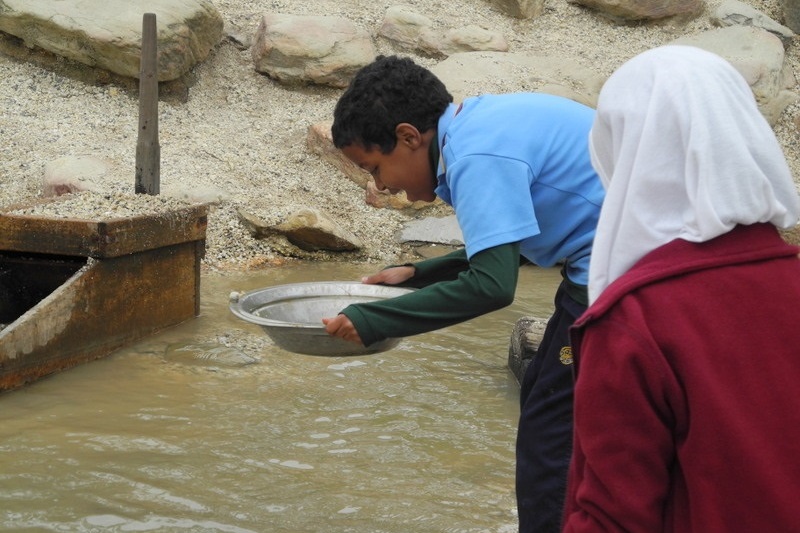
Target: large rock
[[310, 229], [412, 31], [736, 13], [470, 38], [628, 10], [466, 74], [405, 27], [108, 33], [307, 228], [758, 55], [299, 49]]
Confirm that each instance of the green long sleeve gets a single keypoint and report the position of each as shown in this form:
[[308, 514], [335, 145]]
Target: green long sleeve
[[443, 268], [453, 290]]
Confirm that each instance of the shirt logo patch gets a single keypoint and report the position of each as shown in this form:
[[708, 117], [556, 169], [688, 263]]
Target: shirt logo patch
[[565, 355]]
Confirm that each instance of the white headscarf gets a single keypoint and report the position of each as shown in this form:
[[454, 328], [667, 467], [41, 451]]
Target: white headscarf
[[683, 152]]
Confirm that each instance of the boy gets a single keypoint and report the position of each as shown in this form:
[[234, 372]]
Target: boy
[[516, 170]]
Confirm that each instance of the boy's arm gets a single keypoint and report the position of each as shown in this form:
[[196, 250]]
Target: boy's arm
[[485, 283], [443, 268]]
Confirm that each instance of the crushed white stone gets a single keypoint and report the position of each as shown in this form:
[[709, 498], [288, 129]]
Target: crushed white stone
[[244, 134], [89, 205]]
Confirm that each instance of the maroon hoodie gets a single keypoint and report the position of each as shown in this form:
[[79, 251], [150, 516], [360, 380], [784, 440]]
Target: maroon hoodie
[[687, 399]]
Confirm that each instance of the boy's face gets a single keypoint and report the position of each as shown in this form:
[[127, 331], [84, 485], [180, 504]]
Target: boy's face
[[406, 168]]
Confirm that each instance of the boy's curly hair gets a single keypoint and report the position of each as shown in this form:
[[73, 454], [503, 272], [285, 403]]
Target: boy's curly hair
[[383, 94]]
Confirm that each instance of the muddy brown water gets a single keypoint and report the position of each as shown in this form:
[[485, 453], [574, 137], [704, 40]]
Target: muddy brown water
[[208, 427]]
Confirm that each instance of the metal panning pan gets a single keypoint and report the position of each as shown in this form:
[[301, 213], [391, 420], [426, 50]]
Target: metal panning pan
[[292, 314]]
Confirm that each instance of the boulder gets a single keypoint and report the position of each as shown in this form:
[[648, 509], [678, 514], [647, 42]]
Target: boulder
[[311, 230], [108, 33], [303, 49], [736, 13], [758, 55], [629, 10], [466, 73]]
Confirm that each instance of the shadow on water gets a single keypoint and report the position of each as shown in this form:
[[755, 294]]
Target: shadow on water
[[208, 427]]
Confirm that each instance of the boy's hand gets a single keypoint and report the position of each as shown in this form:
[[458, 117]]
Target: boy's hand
[[391, 276], [340, 326]]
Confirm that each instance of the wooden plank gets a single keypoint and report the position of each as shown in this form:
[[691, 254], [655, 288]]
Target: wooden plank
[[101, 238]]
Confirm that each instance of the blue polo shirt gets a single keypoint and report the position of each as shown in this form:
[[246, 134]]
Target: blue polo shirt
[[529, 181]]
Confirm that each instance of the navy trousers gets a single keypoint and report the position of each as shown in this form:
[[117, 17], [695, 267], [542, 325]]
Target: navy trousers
[[544, 437]]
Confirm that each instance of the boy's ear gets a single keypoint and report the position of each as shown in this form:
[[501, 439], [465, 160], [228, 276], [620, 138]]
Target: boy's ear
[[408, 135]]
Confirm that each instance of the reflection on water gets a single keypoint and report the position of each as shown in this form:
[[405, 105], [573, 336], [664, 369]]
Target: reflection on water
[[208, 427]]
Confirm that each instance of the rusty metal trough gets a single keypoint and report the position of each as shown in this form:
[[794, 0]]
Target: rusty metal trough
[[74, 290]]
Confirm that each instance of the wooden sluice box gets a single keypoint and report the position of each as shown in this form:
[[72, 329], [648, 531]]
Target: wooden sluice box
[[74, 290]]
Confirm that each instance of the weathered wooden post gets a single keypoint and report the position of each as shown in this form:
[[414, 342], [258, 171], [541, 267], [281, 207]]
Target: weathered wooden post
[[148, 152]]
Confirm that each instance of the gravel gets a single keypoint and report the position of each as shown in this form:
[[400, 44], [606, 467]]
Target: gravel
[[100, 206], [240, 137]]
